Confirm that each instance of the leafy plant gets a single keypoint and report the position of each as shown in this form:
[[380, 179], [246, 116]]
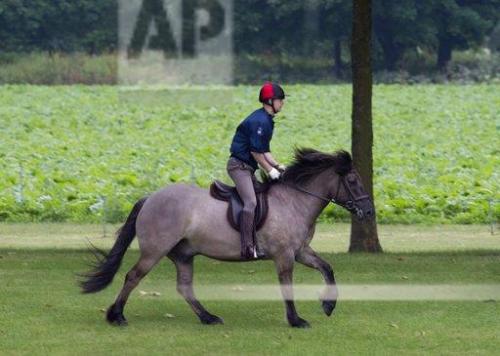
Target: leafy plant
[[85, 154]]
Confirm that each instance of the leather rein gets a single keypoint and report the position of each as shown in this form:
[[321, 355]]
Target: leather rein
[[350, 204]]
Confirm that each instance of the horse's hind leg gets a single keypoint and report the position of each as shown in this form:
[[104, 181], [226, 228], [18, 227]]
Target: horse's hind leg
[[184, 266], [146, 262]]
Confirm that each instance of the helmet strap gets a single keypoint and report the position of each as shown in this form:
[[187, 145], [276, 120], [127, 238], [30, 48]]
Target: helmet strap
[[271, 104]]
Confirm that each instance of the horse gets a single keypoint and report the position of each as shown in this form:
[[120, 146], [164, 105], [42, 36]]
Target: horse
[[181, 221]]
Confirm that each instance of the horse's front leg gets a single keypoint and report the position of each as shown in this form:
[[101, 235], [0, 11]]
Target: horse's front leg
[[284, 266], [309, 258]]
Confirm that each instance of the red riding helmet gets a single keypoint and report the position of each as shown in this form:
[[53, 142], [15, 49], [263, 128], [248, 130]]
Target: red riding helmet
[[269, 92]]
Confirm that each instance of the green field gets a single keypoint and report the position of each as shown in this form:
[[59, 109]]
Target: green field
[[86, 153], [42, 311]]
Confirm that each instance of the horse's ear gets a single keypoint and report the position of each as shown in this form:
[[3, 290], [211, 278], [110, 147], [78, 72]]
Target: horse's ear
[[344, 162]]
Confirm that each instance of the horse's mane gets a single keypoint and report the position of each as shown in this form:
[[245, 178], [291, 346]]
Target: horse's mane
[[309, 163]]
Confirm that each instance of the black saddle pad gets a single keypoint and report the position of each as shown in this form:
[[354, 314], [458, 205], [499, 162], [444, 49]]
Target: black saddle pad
[[224, 192]]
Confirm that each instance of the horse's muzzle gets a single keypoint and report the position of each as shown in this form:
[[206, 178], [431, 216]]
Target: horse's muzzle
[[362, 210]]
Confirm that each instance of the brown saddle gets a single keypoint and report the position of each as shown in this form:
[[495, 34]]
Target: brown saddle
[[224, 192]]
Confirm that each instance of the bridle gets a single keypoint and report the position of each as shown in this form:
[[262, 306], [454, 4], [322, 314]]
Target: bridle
[[349, 204]]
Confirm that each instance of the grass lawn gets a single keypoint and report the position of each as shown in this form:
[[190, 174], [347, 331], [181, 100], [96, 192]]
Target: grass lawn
[[42, 311]]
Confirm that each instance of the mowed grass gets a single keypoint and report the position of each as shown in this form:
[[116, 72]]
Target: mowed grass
[[328, 237], [43, 312]]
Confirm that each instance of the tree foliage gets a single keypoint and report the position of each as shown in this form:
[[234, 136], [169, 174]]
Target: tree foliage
[[58, 25], [279, 28]]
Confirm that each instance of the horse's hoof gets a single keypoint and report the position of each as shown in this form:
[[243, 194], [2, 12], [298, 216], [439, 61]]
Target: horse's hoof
[[115, 318], [300, 323], [328, 306], [211, 319], [120, 322]]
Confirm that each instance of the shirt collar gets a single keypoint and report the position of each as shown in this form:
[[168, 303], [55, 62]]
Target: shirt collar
[[268, 115]]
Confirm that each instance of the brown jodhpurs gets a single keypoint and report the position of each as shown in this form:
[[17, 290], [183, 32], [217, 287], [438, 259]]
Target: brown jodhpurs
[[244, 178]]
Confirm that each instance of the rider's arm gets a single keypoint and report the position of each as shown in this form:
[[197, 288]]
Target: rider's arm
[[270, 159], [262, 160], [260, 137]]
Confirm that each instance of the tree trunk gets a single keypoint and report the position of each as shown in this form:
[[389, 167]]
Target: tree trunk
[[338, 59], [391, 55], [364, 235], [391, 52], [444, 53]]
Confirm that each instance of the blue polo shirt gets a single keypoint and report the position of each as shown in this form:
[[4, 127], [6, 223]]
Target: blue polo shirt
[[253, 135]]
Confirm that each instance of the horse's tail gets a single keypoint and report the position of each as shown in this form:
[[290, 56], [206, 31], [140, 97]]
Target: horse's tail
[[107, 264]]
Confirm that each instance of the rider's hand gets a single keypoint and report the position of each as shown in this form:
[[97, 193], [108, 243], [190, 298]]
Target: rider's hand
[[274, 174]]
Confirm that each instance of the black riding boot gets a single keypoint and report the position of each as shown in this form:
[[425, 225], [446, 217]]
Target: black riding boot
[[247, 235]]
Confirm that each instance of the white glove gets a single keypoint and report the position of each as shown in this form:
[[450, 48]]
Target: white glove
[[274, 174], [281, 167]]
